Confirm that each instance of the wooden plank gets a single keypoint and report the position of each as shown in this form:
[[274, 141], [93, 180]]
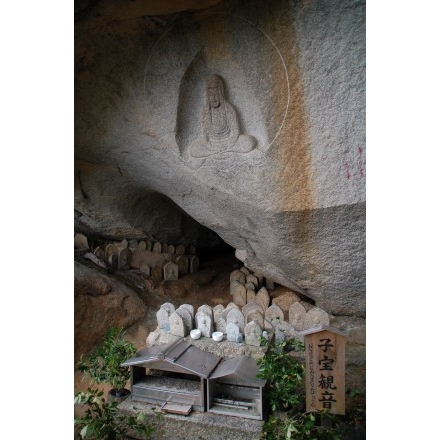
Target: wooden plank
[[325, 372]]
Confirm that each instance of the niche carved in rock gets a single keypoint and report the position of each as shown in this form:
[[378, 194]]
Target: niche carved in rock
[[219, 125], [218, 115]]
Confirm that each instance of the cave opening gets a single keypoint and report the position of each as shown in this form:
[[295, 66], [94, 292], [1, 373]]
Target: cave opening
[[155, 231], [218, 253]]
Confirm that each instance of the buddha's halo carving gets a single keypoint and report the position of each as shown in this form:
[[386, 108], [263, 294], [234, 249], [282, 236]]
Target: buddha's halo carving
[[255, 96]]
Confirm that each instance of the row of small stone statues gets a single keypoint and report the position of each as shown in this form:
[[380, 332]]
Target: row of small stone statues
[[229, 321], [247, 325], [160, 260], [286, 312]]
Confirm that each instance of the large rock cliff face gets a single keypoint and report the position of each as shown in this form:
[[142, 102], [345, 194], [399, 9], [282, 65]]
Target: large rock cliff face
[[287, 192]]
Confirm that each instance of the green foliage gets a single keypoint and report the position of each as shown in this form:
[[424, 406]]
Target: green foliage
[[354, 392], [104, 364], [301, 426], [102, 420], [263, 341], [284, 375]]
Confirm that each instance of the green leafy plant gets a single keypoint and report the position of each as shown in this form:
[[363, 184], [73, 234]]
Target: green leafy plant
[[263, 341], [284, 375], [104, 364], [354, 392], [301, 426], [102, 420]]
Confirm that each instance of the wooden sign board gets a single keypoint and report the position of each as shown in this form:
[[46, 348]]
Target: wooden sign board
[[325, 369]]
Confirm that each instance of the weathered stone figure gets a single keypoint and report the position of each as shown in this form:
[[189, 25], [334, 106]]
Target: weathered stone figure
[[100, 253], [163, 318], [251, 307], [273, 313], [124, 257], [190, 309], [252, 333], [182, 263], [239, 295], [237, 275], [206, 309], [169, 307], [81, 242], [232, 331], [110, 249], [220, 325], [144, 268], [255, 316], [220, 128], [314, 317], [279, 336], [170, 271], [194, 263], [163, 314], [237, 318], [157, 247], [204, 323], [180, 250], [217, 311], [297, 312], [250, 296], [177, 325], [263, 298], [185, 314]]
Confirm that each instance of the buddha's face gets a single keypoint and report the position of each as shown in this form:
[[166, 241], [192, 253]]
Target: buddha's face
[[214, 97]]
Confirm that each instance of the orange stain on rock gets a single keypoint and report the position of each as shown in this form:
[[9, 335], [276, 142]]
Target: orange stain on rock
[[290, 153]]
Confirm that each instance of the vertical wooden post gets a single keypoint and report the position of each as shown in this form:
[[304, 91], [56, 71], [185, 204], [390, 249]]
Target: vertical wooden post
[[325, 369]]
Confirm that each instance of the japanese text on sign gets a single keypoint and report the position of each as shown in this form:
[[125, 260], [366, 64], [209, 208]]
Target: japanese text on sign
[[325, 372]]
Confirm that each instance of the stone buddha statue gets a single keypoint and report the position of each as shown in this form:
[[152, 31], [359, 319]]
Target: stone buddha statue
[[219, 124]]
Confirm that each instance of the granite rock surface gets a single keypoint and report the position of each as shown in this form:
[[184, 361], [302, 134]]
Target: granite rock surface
[[293, 73]]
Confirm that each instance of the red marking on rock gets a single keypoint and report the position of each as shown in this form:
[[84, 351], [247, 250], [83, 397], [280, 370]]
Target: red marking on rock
[[347, 174], [361, 172]]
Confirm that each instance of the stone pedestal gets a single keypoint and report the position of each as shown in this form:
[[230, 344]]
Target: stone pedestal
[[197, 425]]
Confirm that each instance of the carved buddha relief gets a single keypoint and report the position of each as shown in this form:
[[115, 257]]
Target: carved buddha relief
[[220, 130]]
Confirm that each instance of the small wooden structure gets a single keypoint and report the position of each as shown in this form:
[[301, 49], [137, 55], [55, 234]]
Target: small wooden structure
[[182, 388], [234, 390], [180, 377], [325, 369]]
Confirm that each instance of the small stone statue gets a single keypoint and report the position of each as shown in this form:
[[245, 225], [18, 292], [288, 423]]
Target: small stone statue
[[205, 324]]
